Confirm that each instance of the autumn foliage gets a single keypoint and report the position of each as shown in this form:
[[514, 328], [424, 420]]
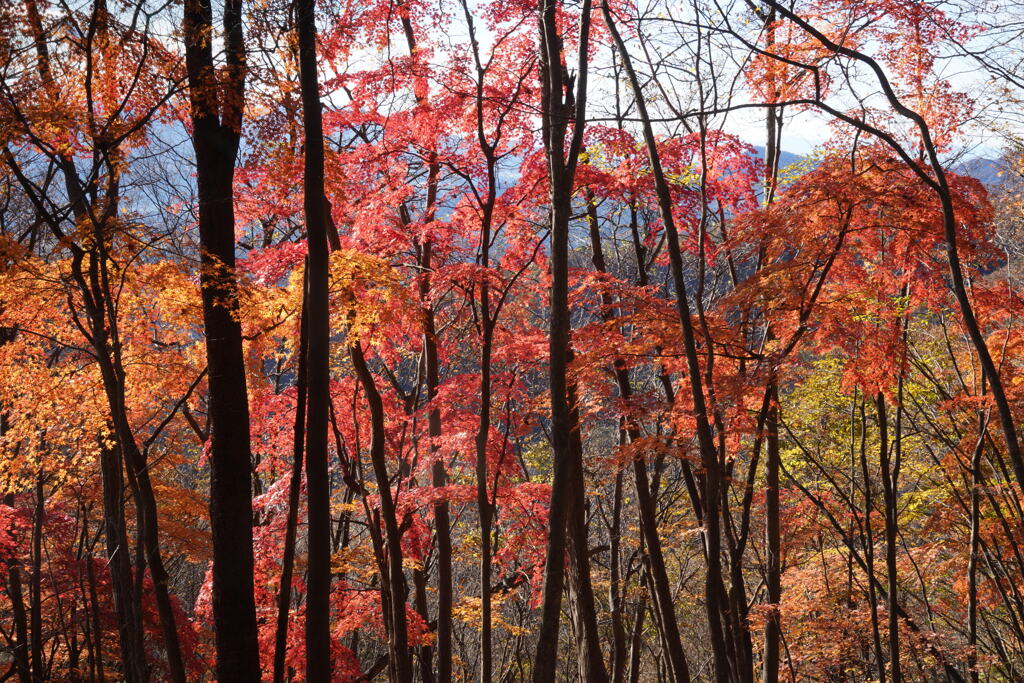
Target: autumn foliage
[[766, 413]]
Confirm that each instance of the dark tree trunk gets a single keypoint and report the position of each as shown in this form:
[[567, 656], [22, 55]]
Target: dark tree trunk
[[400, 661], [557, 109], [20, 644], [869, 547], [890, 480], [709, 455], [773, 545], [35, 590], [216, 121], [129, 620], [483, 498], [94, 614], [318, 489], [615, 593], [442, 523], [284, 591], [975, 543], [591, 660], [636, 643]]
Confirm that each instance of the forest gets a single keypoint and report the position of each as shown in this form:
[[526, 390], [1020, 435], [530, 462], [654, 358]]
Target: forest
[[611, 341]]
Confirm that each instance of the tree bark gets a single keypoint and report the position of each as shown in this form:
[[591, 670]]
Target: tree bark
[[284, 591], [318, 576], [400, 660], [216, 111], [773, 544], [869, 547], [35, 589], [709, 455], [442, 523], [557, 109], [890, 480]]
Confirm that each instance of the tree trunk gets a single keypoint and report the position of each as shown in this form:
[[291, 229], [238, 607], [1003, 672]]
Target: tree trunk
[[400, 661], [442, 523], [483, 498], [709, 454], [890, 480], [591, 660], [216, 97], [975, 542], [869, 548], [556, 112], [773, 545], [14, 591], [36, 587], [284, 591], [318, 576]]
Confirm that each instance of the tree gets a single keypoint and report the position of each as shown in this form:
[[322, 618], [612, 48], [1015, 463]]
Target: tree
[[216, 115]]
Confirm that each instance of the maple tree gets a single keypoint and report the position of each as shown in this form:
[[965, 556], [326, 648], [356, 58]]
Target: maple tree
[[404, 340]]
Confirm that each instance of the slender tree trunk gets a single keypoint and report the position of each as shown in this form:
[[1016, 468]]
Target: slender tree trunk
[[591, 660], [216, 97], [890, 480], [709, 455], [318, 575], [869, 547], [636, 643], [556, 112], [284, 591], [442, 523], [400, 660], [145, 501], [14, 592], [94, 614], [484, 504], [426, 652], [483, 498], [972, 561], [119, 561], [36, 587], [773, 545], [615, 596], [19, 640]]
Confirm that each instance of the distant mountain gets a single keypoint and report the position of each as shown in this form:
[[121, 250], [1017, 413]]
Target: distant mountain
[[985, 170], [785, 159]]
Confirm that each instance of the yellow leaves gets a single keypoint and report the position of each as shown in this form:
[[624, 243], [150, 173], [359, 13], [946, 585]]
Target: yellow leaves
[[689, 176], [183, 517], [792, 172], [263, 308], [340, 508], [538, 458], [467, 610], [412, 564], [365, 292], [354, 560]]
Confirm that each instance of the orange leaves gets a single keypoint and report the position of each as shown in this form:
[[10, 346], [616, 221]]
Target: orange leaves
[[366, 293], [848, 249]]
